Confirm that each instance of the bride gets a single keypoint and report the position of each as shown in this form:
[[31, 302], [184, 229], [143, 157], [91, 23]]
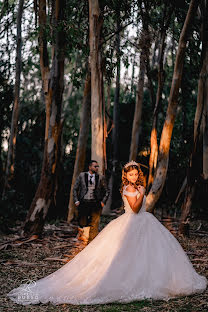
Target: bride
[[134, 257]]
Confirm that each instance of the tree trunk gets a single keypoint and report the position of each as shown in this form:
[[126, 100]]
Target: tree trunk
[[97, 144], [46, 192], [44, 60], [9, 174], [163, 157], [205, 99], [194, 169], [82, 142], [115, 131], [109, 121], [138, 109], [153, 139], [133, 73]]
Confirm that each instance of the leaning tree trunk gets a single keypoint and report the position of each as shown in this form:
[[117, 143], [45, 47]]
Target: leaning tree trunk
[[82, 142], [138, 108], [9, 174], [200, 128], [97, 125], [165, 140], [46, 192]]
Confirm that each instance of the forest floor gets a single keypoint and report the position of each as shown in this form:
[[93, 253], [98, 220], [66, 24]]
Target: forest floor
[[28, 260]]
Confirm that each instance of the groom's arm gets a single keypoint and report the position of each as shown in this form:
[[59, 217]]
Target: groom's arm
[[75, 190]]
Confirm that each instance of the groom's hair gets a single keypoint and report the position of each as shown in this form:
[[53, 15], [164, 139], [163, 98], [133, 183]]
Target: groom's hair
[[92, 161]]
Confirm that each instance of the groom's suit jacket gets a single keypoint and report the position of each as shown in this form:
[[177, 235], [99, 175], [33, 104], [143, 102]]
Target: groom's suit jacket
[[101, 191]]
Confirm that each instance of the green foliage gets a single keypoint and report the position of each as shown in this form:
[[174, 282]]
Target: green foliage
[[30, 141]]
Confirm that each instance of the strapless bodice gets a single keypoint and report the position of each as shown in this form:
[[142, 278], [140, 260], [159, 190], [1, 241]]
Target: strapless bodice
[[127, 207]]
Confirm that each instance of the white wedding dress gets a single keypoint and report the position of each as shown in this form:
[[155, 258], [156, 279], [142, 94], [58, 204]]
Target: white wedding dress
[[134, 257]]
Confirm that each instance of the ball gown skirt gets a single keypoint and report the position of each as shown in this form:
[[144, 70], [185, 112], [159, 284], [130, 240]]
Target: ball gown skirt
[[133, 258]]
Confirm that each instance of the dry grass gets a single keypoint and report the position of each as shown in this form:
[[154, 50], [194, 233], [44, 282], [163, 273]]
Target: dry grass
[[26, 261]]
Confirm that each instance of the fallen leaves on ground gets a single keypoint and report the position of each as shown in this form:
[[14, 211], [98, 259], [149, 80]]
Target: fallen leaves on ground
[[37, 257]]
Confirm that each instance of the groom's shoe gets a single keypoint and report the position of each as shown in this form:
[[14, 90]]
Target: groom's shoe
[[83, 233]]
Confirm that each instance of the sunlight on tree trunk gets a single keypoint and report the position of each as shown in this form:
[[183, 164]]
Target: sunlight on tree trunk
[[200, 125], [165, 140], [97, 122], [153, 139]]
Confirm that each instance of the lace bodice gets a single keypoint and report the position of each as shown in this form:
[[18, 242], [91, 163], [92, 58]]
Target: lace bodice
[[127, 207]]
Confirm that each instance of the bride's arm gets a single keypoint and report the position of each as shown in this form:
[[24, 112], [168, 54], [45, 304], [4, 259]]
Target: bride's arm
[[134, 202]]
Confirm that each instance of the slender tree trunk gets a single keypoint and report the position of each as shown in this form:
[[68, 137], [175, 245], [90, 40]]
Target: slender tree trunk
[[138, 109], [144, 10], [115, 131], [46, 192], [44, 60], [133, 73], [96, 23], [205, 98], [153, 139], [165, 140], [182, 189], [200, 128], [82, 142], [9, 174], [109, 122]]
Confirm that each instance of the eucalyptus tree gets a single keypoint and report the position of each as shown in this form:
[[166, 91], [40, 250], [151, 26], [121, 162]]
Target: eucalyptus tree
[[198, 158], [10, 165], [165, 22], [53, 85], [163, 157]]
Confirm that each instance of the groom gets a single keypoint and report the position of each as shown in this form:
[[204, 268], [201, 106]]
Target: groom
[[90, 194]]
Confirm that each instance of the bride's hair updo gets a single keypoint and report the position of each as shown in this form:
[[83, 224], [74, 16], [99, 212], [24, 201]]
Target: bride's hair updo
[[127, 168]]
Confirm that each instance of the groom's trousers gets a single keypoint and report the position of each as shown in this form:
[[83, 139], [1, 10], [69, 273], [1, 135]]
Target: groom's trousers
[[89, 215]]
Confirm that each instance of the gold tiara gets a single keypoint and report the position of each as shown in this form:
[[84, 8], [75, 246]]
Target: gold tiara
[[131, 163]]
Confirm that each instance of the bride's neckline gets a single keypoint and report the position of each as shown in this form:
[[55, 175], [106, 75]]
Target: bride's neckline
[[130, 185], [130, 193]]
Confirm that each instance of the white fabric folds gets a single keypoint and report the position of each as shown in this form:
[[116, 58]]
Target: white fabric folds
[[134, 257]]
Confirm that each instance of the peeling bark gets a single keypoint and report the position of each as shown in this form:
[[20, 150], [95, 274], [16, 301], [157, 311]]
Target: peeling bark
[[46, 191]]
